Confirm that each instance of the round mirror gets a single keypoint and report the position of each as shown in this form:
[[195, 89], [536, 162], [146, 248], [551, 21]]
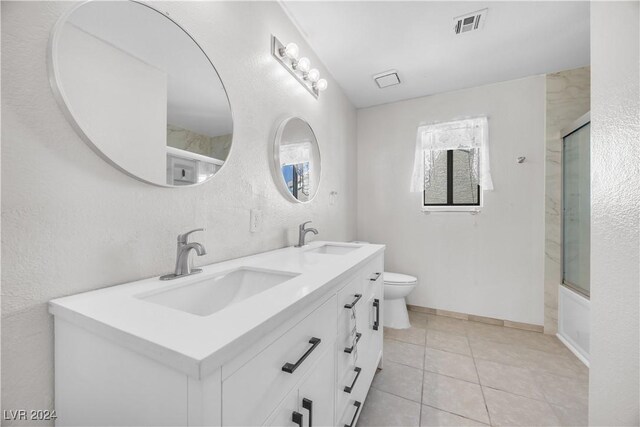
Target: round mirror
[[141, 92], [297, 160]]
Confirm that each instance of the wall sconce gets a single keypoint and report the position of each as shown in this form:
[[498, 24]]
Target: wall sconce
[[300, 68]]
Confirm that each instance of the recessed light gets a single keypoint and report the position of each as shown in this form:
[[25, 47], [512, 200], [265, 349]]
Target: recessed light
[[386, 79]]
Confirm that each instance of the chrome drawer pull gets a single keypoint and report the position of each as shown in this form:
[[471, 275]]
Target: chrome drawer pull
[[350, 349], [355, 301], [376, 305], [355, 415], [375, 276], [353, 384], [291, 367]]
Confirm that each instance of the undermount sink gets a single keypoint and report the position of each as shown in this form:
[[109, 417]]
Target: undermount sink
[[213, 293], [331, 249]]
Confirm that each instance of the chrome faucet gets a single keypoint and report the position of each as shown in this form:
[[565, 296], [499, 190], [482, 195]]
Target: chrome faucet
[[302, 233], [184, 266]]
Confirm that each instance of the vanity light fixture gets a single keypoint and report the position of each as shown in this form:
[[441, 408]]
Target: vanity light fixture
[[300, 68]]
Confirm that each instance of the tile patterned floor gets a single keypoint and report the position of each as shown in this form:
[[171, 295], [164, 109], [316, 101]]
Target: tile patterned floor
[[449, 372]]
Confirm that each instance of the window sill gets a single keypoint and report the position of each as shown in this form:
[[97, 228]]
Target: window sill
[[473, 210]]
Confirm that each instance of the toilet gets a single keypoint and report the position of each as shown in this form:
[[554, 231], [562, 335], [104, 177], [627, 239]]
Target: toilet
[[396, 287]]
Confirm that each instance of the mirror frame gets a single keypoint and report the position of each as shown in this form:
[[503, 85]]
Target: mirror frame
[[62, 101], [275, 166]]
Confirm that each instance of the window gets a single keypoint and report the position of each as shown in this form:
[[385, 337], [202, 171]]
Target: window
[[452, 165], [294, 161], [452, 181], [297, 179]]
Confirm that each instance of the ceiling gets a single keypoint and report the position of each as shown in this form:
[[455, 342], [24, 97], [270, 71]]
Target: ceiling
[[356, 40]]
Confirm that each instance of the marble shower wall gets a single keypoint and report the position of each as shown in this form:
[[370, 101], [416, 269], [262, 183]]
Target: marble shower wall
[[568, 98], [213, 146]]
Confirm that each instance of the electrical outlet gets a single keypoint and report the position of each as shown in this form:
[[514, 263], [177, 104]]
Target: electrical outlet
[[255, 223]]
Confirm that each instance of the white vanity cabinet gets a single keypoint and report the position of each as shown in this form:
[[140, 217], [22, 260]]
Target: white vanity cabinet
[[311, 367], [312, 403]]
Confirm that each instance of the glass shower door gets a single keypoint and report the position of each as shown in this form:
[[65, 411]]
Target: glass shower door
[[576, 209]]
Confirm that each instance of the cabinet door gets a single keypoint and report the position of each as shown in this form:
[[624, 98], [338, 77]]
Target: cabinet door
[[287, 414], [316, 393]]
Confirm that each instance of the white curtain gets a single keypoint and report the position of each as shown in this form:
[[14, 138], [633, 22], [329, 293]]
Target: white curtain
[[433, 140]]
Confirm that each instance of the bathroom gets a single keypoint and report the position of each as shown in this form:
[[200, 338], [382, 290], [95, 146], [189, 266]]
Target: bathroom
[[397, 305]]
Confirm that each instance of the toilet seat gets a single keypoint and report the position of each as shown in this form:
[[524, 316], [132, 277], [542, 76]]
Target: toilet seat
[[398, 279]]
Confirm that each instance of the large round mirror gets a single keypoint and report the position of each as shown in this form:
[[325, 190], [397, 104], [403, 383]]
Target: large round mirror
[[141, 92], [297, 160]]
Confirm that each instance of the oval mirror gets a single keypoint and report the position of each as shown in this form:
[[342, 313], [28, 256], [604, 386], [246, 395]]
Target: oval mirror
[[141, 92], [297, 160]]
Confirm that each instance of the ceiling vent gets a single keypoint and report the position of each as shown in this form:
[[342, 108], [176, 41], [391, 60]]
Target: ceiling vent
[[386, 79], [470, 22]]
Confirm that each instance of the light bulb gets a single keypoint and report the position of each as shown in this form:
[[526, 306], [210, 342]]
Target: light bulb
[[291, 51], [313, 75], [303, 64], [321, 85]]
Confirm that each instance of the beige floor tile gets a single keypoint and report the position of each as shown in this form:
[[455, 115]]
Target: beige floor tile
[[528, 339], [400, 380], [502, 353], [411, 335], [541, 342], [384, 410], [453, 395], [451, 364], [403, 353], [582, 368], [564, 391], [562, 365], [418, 320], [523, 356], [432, 417], [507, 409], [448, 341], [509, 378], [447, 324], [576, 416]]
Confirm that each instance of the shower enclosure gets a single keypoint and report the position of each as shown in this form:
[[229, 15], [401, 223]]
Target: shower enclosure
[[576, 237]]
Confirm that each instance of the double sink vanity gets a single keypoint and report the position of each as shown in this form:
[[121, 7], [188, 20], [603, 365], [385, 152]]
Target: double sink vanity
[[287, 337]]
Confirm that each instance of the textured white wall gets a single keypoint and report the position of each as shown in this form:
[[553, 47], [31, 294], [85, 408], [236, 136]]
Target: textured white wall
[[72, 223], [614, 380], [490, 264]]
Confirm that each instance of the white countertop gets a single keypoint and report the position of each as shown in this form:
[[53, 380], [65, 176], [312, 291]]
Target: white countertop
[[197, 345]]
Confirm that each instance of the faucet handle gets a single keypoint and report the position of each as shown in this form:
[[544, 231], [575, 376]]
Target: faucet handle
[[182, 238]]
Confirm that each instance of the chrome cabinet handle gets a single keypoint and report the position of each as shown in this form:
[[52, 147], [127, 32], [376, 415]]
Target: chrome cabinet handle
[[376, 305], [296, 417], [291, 367], [353, 384], [308, 405], [354, 302], [355, 415], [350, 349], [375, 276]]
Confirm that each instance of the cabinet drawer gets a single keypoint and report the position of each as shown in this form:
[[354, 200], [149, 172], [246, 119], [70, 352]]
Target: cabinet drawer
[[372, 277], [253, 391], [350, 295], [353, 379], [351, 413]]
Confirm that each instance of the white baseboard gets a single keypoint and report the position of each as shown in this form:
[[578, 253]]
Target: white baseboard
[[573, 349]]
